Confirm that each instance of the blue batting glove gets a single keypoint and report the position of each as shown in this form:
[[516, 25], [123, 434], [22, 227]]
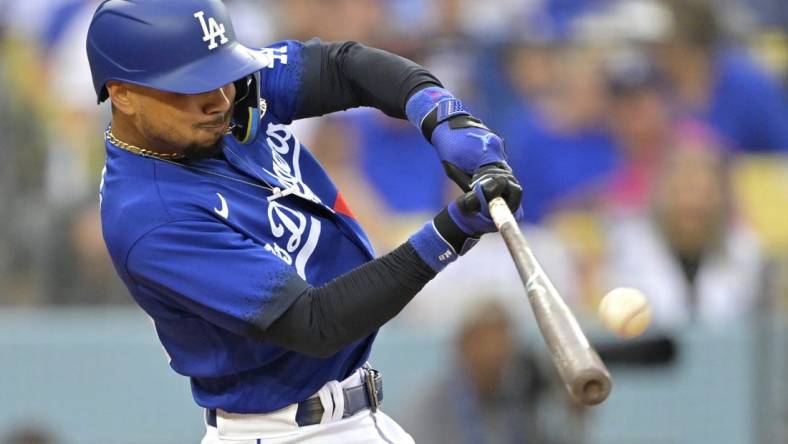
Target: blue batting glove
[[471, 212], [457, 228], [463, 143]]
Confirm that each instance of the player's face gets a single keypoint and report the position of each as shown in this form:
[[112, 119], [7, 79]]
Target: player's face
[[189, 123]]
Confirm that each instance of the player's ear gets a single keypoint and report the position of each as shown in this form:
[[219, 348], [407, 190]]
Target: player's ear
[[120, 94]]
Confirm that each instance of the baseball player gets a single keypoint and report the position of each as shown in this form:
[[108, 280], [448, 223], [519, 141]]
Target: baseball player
[[262, 286]]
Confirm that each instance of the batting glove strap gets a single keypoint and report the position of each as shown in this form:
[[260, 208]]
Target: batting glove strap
[[451, 111], [423, 102], [440, 242], [432, 106], [460, 240]]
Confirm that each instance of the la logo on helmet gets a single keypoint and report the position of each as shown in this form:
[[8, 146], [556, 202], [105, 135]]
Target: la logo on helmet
[[211, 30]]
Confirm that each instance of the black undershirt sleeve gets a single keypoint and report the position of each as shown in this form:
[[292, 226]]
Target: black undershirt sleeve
[[343, 75], [323, 320]]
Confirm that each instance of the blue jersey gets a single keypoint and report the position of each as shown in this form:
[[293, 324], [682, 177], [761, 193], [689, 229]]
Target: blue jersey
[[206, 247]]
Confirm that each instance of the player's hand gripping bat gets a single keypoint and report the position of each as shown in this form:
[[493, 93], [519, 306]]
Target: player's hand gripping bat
[[579, 365]]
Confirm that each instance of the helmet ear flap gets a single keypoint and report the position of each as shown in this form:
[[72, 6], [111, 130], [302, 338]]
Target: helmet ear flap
[[247, 113]]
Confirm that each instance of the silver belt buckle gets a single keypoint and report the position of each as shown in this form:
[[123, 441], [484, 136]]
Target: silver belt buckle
[[372, 388]]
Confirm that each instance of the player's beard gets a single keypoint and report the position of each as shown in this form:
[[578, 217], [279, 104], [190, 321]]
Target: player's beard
[[196, 151], [200, 152], [191, 150]]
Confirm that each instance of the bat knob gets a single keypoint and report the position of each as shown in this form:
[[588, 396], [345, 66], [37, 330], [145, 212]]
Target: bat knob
[[594, 392], [591, 388]]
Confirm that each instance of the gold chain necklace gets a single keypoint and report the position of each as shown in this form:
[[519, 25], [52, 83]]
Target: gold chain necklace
[[140, 151], [169, 158]]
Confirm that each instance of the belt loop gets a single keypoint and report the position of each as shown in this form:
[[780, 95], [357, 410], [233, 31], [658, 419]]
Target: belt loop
[[372, 388], [338, 395], [327, 402], [332, 398]]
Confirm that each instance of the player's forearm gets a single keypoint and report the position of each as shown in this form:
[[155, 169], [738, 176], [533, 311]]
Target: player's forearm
[[343, 75], [325, 319]]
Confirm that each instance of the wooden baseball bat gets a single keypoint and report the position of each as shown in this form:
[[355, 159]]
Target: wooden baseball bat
[[583, 372]]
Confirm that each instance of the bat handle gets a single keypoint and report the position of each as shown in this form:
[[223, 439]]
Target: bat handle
[[500, 213]]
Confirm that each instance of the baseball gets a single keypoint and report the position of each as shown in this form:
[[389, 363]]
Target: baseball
[[625, 311]]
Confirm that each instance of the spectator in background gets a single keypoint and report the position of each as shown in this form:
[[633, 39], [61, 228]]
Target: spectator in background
[[688, 253], [640, 125], [495, 393], [715, 82]]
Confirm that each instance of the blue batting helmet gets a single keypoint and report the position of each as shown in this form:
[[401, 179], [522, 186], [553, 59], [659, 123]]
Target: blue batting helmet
[[181, 46]]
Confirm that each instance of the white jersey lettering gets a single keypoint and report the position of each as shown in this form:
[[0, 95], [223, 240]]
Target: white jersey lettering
[[289, 223], [279, 140], [274, 55]]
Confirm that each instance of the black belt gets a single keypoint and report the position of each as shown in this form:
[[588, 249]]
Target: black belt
[[369, 395]]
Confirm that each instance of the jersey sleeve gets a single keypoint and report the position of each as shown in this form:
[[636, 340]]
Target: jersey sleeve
[[282, 77], [209, 270], [314, 78]]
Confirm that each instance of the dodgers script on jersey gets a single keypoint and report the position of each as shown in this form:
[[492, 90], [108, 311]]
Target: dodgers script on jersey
[[206, 247]]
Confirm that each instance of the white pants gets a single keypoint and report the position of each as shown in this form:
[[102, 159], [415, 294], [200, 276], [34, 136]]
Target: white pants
[[280, 427]]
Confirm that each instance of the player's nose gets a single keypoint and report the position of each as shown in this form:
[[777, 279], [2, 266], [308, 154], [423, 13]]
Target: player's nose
[[219, 101]]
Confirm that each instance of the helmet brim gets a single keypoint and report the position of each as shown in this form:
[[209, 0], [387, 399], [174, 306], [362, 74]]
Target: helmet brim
[[207, 73]]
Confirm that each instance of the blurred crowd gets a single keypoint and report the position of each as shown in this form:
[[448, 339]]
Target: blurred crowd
[[651, 138]]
